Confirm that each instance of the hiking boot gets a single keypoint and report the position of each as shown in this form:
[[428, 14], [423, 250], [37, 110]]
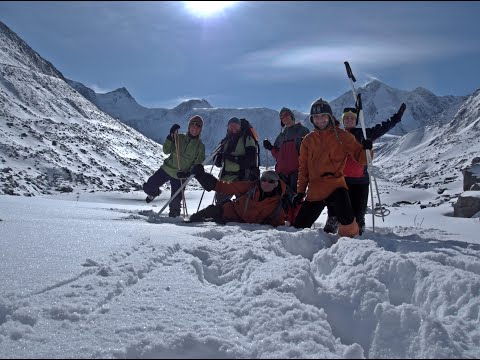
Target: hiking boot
[[331, 226], [361, 226], [150, 197], [196, 218], [174, 213]]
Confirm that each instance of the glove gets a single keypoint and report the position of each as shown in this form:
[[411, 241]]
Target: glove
[[267, 144], [399, 114], [285, 202], [173, 129], [218, 160], [297, 199], [183, 174], [367, 144], [197, 169]]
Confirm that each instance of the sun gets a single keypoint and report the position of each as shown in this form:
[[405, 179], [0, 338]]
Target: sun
[[207, 8]]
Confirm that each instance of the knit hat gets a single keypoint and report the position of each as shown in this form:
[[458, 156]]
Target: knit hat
[[350, 111], [320, 106], [234, 120], [270, 175], [196, 119], [284, 111]]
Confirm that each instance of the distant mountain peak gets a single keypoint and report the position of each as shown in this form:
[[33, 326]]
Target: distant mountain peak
[[375, 84], [422, 90], [192, 104], [123, 91]]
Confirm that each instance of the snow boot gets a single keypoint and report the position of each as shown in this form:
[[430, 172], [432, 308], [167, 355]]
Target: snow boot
[[150, 197], [331, 226], [174, 213], [361, 226]]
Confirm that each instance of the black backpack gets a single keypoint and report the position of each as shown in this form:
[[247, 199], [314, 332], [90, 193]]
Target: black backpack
[[253, 171], [248, 129]]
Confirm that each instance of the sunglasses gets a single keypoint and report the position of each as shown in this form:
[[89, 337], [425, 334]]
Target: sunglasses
[[349, 109], [270, 181]]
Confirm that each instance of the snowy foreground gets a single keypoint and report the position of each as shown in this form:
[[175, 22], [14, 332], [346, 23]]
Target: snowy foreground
[[95, 275]]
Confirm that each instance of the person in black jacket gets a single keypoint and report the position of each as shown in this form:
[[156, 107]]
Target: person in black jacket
[[356, 175]]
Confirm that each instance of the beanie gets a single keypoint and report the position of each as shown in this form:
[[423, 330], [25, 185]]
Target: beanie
[[282, 112], [196, 119], [351, 111], [270, 175], [234, 120]]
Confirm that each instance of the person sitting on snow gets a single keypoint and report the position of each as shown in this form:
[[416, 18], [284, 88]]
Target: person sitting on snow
[[256, 202]]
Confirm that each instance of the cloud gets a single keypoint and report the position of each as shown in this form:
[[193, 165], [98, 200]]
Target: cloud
[[327, 59], [98, 89]]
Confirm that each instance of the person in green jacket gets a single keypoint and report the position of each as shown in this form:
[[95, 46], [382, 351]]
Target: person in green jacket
[[191, 152], [238, 156]]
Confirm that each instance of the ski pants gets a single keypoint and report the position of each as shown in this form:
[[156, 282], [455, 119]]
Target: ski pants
[[358, 194], [158, 179], [339, 201]]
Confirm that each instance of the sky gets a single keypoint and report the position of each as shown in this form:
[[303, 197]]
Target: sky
[[100, 275], [253, 54]]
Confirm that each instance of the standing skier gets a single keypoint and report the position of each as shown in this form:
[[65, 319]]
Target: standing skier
[[286, 150], [191, 152], [238, 156]]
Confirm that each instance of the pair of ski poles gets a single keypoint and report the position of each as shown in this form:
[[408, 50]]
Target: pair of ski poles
[[186, 181], [177, 148], [358, 102]]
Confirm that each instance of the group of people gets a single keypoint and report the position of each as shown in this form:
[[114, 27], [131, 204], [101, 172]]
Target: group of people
[[326, 167]]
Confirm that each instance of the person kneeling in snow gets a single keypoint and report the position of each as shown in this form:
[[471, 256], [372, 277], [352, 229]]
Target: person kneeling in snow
[[323, 154], [256, 202]]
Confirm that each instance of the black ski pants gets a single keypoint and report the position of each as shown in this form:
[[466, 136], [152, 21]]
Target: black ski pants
[[158, 179], [358, 194], [339, 201]]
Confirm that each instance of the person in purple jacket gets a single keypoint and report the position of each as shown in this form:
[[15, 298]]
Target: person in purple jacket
[[286, 150]]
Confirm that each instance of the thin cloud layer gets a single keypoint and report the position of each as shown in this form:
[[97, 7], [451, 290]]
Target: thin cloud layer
[[324, 60]]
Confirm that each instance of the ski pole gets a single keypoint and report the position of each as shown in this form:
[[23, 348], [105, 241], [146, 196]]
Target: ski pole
[[177, 147], [217, 149], [358, 101]]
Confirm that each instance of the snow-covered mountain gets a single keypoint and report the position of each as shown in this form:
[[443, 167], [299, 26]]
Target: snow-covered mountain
[[155, 123], [120, 105], [432, 156], [52, 138], [381, 101]]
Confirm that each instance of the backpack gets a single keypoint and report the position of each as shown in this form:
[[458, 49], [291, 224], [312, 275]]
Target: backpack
[[246, 129]]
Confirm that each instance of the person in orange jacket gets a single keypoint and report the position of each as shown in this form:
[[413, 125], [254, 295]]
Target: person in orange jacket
[[356, 175], [323, 154], [257, 201]]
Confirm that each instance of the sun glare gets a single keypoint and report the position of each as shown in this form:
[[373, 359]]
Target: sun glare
[[207, 8]]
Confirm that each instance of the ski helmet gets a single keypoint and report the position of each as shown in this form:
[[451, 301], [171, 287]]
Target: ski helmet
[[320, 106]]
